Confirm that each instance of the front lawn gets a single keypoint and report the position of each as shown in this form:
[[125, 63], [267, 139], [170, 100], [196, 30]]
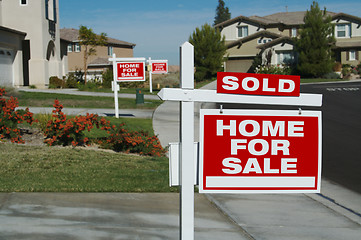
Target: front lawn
[[67, 169]]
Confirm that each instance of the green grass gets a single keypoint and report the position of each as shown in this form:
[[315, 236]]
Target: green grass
[[31, 99], [58, 169], [317, 80], [133, 124]]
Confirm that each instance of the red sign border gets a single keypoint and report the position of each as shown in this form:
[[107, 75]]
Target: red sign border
[[271, 77], [162, 72], [129, 79], [204, 112]]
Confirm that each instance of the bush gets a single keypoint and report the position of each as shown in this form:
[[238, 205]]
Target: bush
[[331, 75], [9, 118], [55, 82], [71, 81], [107, 76], [280, 70], [62, 131], [121, 139]]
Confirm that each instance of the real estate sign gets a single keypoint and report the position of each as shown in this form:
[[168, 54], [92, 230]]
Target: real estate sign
[[258, 84], [130, 71], [260, 151], [159, 67]]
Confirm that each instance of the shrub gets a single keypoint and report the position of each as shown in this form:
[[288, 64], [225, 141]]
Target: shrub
[[9, 118], [107, 76], [71, 81], [141, 142], [271, 69], [55, 82], [331, 75], [62, 131]]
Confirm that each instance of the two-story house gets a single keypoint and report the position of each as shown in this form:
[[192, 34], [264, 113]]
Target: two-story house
[[272, 36], [29, 42], [98, 62]]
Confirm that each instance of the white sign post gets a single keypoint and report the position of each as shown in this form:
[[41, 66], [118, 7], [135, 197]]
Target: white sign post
[[187, 95], [133, 70]]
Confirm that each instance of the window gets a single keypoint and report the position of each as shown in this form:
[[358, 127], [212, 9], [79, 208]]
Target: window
[[352, 55], [70, 47], [50, 10], [343, 30], [77, 47], [285, 57], [110, 51], [294, 32], [242, 31], [23, 2]]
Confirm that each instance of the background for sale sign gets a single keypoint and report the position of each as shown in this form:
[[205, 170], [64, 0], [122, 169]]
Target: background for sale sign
[[159, 67], [260, 151]]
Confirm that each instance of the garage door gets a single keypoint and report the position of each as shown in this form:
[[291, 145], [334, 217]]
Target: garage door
[[6, 67]]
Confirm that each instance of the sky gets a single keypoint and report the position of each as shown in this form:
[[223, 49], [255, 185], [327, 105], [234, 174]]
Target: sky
[[159, 27]]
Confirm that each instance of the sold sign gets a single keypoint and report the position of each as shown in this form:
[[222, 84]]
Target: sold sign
[[264, 151], [258, 84]]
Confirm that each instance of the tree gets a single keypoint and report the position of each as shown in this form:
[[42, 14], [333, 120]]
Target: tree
[[222, 13], [209, 51], [90, 40], [315, 43]]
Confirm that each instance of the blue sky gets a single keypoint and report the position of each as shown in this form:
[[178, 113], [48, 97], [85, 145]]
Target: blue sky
[[159, 27]]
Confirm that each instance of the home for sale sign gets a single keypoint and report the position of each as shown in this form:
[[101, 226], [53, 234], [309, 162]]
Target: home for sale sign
[[260, 151], [130, 71]]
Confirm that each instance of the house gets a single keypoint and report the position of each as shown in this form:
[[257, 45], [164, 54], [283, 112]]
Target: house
[[272, 37], [96, 63], [29, 42]]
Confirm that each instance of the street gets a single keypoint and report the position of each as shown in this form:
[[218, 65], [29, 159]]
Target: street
[[341, 113]]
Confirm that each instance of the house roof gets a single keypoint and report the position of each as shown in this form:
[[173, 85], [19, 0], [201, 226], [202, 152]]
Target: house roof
[[283, 18], [12, 30], [353, 44], [100, 62], [72, 35], [284, 39], [263, 33]]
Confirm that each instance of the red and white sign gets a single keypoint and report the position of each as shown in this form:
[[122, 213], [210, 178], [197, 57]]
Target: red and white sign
[[159, 67], [260, 151], [130, 71], [258, 84]]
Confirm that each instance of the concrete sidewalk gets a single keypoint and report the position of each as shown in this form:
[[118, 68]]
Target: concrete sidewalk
[[88, 216]]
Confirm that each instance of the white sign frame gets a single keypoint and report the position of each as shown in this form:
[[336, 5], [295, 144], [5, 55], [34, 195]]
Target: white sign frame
[[255, 181]]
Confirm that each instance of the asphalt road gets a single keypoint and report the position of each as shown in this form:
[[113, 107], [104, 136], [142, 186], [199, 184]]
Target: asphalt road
[[341, 117]]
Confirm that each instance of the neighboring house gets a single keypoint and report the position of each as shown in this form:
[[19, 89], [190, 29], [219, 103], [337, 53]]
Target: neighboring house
[[29, 42], [272, 37], [98, 62]]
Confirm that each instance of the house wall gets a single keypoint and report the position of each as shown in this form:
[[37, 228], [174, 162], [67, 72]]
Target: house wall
[[76, 59], [231, 32], [44, 48], [246, 49]]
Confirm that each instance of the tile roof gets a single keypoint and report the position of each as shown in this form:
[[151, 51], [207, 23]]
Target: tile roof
[[71, 35], [281, 18]]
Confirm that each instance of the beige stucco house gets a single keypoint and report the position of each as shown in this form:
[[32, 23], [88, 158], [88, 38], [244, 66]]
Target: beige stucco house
[[272, 35], [29, 42], [96, 63]]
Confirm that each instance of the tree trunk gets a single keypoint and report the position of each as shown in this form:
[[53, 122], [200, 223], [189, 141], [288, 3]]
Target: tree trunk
[[85, 62]]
